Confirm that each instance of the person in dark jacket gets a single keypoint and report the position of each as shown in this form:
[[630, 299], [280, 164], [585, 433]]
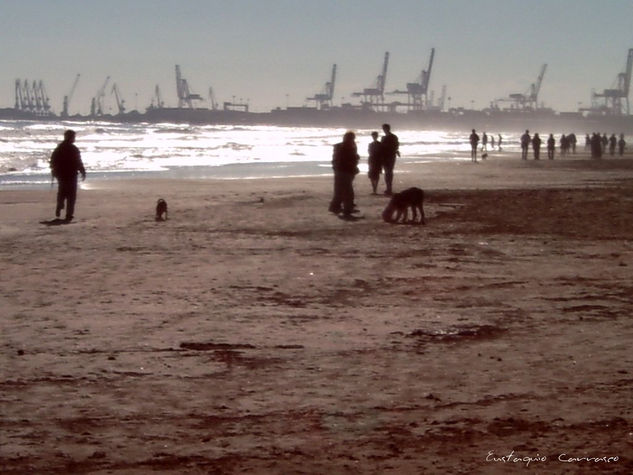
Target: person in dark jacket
[[65, 164], [390, 151], [536, 146], [345, 165], [374, 161], [551, 146]]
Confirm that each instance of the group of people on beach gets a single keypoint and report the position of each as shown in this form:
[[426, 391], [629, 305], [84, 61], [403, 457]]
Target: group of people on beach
[[382, 158], [595, 142], [474, 143], [600, 144], [66, 164]]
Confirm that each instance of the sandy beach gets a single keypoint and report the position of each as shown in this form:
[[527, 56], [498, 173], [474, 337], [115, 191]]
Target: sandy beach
[[254, 332]]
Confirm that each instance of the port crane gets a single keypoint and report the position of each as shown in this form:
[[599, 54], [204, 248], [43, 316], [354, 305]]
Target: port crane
[[527, 101], [214, 103], [324, 100], [375, 96], [157, 100], [185, 97], [96, 106], [614, 100], [32, 97], [119, 100], [417, 92], [68, 97]]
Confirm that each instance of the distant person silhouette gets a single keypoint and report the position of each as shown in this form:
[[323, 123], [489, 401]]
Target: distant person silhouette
[[564, 145], [551, 146], [605, 143], [596, 146], [621, 145], [492, 141], [374, 161], [525, 143], [587, 142], [484, 142], [345, 165], [572, 142], [474, 141], [499, 142], [65, 163], [613, 141], [536, 146], [389, 146]]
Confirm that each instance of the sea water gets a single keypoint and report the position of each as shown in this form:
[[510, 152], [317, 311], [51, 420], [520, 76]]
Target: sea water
[[118, 151]]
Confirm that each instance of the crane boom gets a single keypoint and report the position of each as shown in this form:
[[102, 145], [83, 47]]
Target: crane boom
[[69, 96]]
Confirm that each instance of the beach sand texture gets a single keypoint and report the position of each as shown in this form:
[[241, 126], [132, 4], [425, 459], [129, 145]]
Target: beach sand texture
[[254, 332]]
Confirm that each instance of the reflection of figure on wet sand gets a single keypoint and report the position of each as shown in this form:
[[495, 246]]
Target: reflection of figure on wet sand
[[374, 161], [65, 164]]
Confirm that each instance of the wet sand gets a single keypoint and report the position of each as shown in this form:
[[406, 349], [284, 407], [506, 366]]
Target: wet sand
[[254, 332]]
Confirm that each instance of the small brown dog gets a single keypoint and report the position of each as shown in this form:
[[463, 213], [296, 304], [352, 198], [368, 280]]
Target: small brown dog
[[401, 202], [161, 210]]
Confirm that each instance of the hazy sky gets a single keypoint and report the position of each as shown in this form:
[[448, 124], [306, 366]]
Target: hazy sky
[[278, 52]]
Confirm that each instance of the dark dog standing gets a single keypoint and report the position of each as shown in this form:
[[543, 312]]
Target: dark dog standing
[[401, 202], [161, 210]]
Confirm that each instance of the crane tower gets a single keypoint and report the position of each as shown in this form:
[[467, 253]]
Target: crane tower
[[527, 101], [616, 100], [185, 97], [324, 99], [417, 92], [375, 96]]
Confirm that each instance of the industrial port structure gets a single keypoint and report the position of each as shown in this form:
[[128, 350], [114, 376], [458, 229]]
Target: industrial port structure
[[375, 103]]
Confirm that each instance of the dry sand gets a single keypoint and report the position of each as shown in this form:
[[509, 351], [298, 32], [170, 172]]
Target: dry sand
[[254, 332]]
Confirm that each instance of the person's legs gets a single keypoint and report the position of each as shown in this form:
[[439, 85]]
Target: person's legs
[[71, 197], [347, 192], [388, 167], [335, 204], [61, 197]]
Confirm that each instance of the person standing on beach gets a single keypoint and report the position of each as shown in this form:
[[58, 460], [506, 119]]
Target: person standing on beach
[[551, 146], [474, 140], [484, 142], [389, 145], [525, 143], [374, 161], [536, 146], [612, 143], [345, 165], [65, 163], [621, 145], [572, 142], [500, 139]]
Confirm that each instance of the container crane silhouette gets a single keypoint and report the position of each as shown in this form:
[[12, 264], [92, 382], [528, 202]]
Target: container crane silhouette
[[375, 96], [527, 101], [324, 99], [68, 97], [616, 100], [417, 92]]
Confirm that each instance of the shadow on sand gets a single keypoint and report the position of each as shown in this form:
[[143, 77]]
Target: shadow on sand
[[55, 222]]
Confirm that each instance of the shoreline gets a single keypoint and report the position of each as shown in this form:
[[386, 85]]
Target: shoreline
[[254, 332]]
